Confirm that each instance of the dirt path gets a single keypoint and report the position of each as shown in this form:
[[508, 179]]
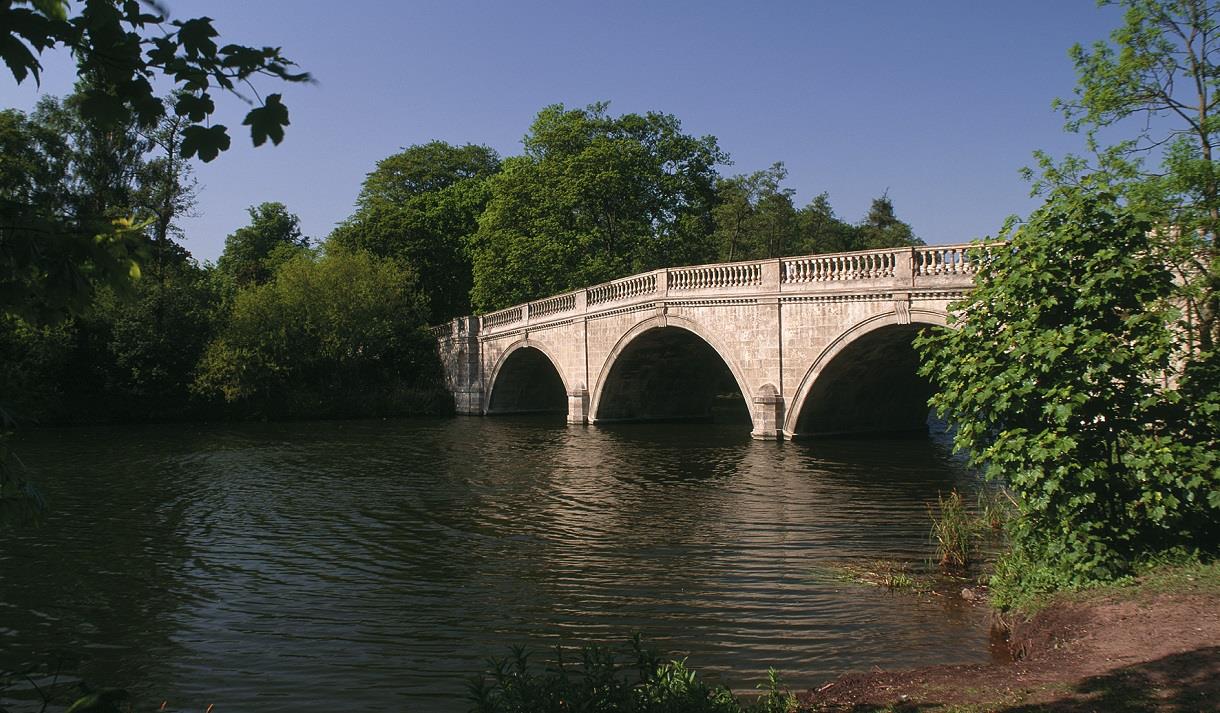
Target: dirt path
[[1112, 653]]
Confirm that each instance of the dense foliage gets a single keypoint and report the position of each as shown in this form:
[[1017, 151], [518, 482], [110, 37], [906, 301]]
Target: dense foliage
[[597, 197], [601, 681], [1063, 376], [254, 252], [593, 198], [336, 335], [59, 238], [275, 329], [1084, 370], [755, 218], [1155, 86], [54, 250], [422, 206]]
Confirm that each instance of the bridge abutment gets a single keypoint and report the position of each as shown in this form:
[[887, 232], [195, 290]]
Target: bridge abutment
[[460, 353]]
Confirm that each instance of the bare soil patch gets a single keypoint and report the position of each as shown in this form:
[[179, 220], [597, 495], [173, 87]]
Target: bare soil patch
[[1126, 651]]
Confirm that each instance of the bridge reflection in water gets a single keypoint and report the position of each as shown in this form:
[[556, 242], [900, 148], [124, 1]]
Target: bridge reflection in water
[[814, 345]]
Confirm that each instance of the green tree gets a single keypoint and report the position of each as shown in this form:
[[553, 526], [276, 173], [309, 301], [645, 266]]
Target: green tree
[[1156, 85], [426, 169], [165, 188], [754, 215], [253, 252], [819, 230], [1062, 376], [881, 228], [132, 356], [594, 198], [50, 266], [32, 362], [339, 335], [421, 206], [60, 236]]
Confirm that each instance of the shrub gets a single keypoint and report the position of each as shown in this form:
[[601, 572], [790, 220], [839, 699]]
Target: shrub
[[601, 681], [1068, 377], [340, 335]]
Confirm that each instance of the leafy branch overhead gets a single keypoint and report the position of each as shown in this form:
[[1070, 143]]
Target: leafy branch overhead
[[122, 46]]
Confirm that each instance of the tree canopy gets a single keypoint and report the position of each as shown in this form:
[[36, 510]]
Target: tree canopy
[[756, 219], [1084, 370], [422, 206], [52, 254], [593, 198], [881, 228], [75, 202], [1152, 91], [253, 252], [336, 335]]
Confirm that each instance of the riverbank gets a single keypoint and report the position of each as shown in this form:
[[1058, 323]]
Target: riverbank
[[1152, 645]]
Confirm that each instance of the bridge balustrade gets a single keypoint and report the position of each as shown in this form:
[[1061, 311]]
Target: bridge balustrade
[[503, 317], [896, 268], [626, 288], [841, 266], [553, 305], [702, 277], [951, 260]]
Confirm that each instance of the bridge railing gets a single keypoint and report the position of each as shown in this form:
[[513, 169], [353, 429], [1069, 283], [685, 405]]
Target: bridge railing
[[948, 260], [841, 267], [626, 288], [924, 267], [503, 317], [552, 305], [725, 275]]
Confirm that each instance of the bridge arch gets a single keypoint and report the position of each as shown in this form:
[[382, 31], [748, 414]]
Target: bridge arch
[[847, 390], [527, 378], [599, 403]]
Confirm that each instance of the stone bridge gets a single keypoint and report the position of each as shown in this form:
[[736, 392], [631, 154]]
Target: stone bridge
[[812, 345]]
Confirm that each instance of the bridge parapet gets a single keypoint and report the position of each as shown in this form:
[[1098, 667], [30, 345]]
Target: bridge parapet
[[557, 305], [623, 289], [840, 267], [944, 260], [722, 276], [512, 315], [902, 269]]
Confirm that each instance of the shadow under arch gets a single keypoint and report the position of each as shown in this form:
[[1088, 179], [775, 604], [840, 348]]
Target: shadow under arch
[[527, 379], [668, 368], [865, 381]]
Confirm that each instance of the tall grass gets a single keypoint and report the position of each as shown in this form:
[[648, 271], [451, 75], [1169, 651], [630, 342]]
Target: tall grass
[[954, 532]]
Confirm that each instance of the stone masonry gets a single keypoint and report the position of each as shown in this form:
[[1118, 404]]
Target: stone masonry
[[777, 324]]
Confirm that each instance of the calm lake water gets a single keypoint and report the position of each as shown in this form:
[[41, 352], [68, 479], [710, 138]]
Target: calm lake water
[[376, 565]]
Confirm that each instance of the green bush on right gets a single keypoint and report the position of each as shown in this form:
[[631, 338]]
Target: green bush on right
[[1071, 377]]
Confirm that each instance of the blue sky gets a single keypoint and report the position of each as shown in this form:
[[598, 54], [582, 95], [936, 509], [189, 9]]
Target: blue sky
[[939, 103]]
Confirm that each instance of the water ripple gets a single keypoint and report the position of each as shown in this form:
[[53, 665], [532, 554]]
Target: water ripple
[[377, 565]]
